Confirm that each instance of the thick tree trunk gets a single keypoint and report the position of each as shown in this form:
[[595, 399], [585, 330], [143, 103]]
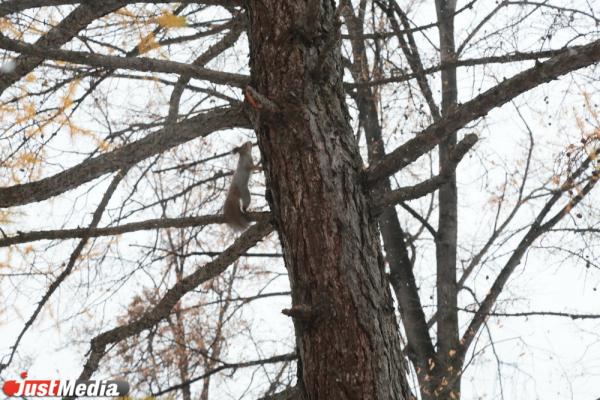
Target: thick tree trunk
[[346, 330]]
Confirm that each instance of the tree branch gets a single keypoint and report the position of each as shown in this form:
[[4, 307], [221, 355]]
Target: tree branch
[[69, 268], [99, 343], [155, 143], [537, 228], [69, 26], [14, 6], [213, 51], [143, 64], [571, 60], [158, 223], [526, 314], [402, 277], [430, 185], [234, 366], [470, 62], [411, 52], [291, 393]]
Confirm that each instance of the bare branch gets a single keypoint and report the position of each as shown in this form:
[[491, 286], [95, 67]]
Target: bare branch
[[159, 223], [234, 366], [155, 143], [99, 343], [411, 52], [430, 185], [571, 60], [291, 393], [14, 6], [77, 20], [69, 268], [469, 62], [143, 64], [573, 316], [213, 51], [537, 228]]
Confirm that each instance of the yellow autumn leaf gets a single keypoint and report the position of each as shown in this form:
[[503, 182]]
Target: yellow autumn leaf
[[76, 130], [148, 43], [30, 110], [103, 145], [70, 94], [28, 158], [28, 113], [7, 25], [168, 20]]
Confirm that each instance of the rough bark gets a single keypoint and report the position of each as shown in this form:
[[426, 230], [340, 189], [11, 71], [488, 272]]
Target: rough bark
[[341, 305]]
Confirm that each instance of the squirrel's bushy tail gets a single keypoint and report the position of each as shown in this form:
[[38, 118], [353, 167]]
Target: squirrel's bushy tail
[[233, 214]]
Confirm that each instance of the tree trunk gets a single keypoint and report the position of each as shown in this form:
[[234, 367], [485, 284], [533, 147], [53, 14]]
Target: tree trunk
[[447, 373], [419, 347], [346, 330]]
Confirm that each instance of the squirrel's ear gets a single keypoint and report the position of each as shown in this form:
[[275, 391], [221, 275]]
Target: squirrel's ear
[[245, 147]]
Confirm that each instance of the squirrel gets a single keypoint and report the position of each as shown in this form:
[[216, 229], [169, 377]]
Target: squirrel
[[235, 214]]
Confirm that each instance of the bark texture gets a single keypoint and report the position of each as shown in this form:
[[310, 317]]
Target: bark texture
[[342, 310]]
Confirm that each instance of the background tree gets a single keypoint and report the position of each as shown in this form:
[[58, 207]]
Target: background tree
[[362, 111]]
